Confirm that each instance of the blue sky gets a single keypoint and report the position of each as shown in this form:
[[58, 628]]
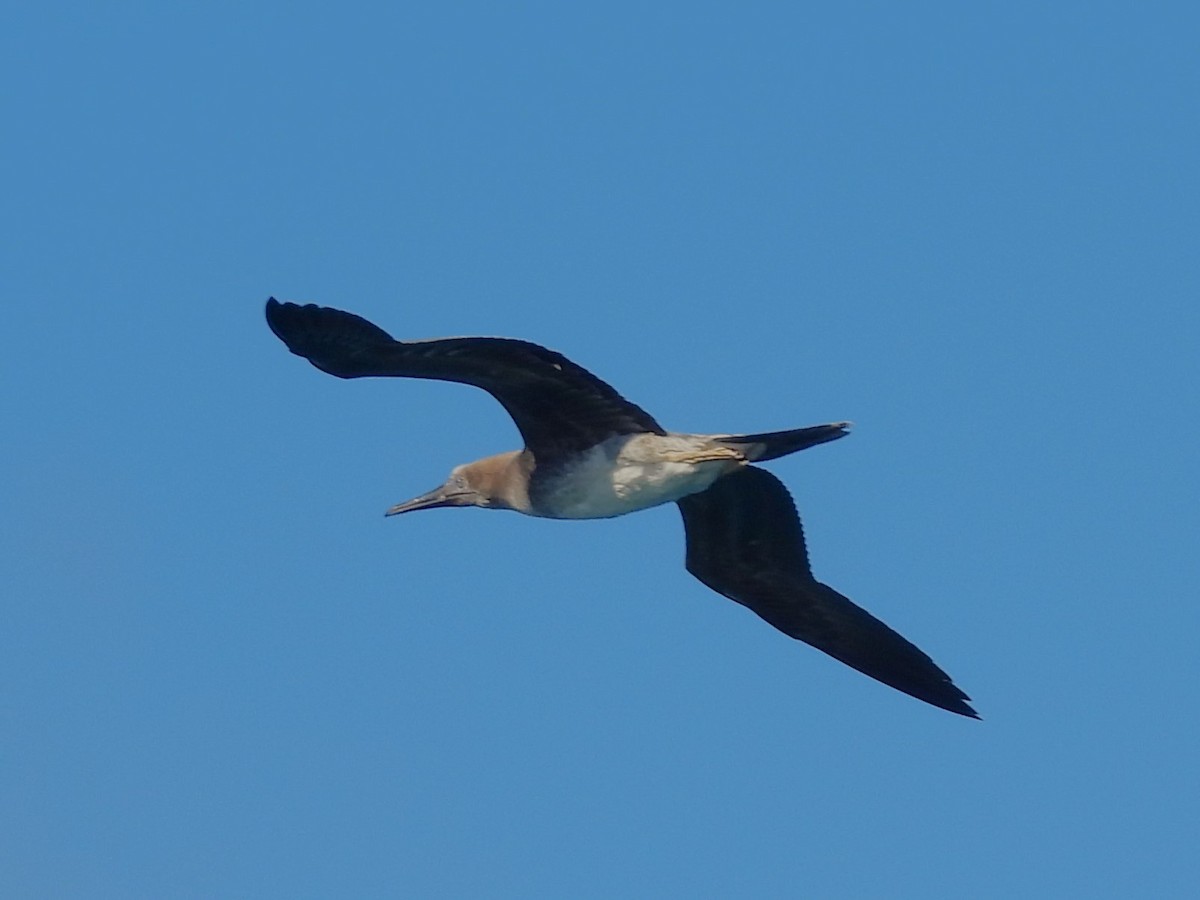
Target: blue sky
[[969, 228]]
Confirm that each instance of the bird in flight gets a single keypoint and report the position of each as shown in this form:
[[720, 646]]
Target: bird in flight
[[589, 454]]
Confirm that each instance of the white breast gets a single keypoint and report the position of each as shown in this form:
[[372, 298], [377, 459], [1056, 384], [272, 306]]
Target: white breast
[[626, 474]]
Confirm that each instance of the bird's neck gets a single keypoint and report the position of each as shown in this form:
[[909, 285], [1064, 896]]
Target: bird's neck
[[505, 479]]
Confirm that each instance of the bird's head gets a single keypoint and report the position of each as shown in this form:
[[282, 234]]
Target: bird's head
[[459, 490]]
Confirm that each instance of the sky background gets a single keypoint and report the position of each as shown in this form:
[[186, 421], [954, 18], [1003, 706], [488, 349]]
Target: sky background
[[971, 229]]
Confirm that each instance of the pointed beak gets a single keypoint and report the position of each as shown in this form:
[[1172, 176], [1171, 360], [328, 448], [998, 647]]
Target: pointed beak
[[439, 496]]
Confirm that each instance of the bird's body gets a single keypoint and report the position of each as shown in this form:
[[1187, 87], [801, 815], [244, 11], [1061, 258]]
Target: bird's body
[[627, 473], [589, 453]]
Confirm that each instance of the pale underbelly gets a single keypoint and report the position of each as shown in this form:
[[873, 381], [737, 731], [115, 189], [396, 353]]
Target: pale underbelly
[[603, 492]]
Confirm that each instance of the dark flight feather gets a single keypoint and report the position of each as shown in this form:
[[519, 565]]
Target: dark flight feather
[[744, 540], [559, 407]]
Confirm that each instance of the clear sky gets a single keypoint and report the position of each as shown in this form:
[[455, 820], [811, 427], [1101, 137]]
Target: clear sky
[[972, 229]]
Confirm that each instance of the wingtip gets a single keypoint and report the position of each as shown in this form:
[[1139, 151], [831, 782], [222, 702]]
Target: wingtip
[[964, 709], [274, 312], [944, 694], [955, 703]]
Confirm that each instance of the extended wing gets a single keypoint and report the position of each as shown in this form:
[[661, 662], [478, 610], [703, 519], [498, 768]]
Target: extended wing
[[744, 540], [559, 407]]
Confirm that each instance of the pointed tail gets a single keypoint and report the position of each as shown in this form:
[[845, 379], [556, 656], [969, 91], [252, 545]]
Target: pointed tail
[[773, 444]]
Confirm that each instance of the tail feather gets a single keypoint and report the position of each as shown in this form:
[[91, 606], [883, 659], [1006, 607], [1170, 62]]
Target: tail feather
[[773, 444]]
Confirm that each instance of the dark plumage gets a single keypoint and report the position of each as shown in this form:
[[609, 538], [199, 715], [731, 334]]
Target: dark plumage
[[591, 453], [558, 407]]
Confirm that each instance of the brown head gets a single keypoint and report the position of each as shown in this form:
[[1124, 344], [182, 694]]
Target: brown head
[[495, 482]]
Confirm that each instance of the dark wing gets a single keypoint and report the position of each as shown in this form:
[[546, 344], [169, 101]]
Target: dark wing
[[558, 407], [744, 540]]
